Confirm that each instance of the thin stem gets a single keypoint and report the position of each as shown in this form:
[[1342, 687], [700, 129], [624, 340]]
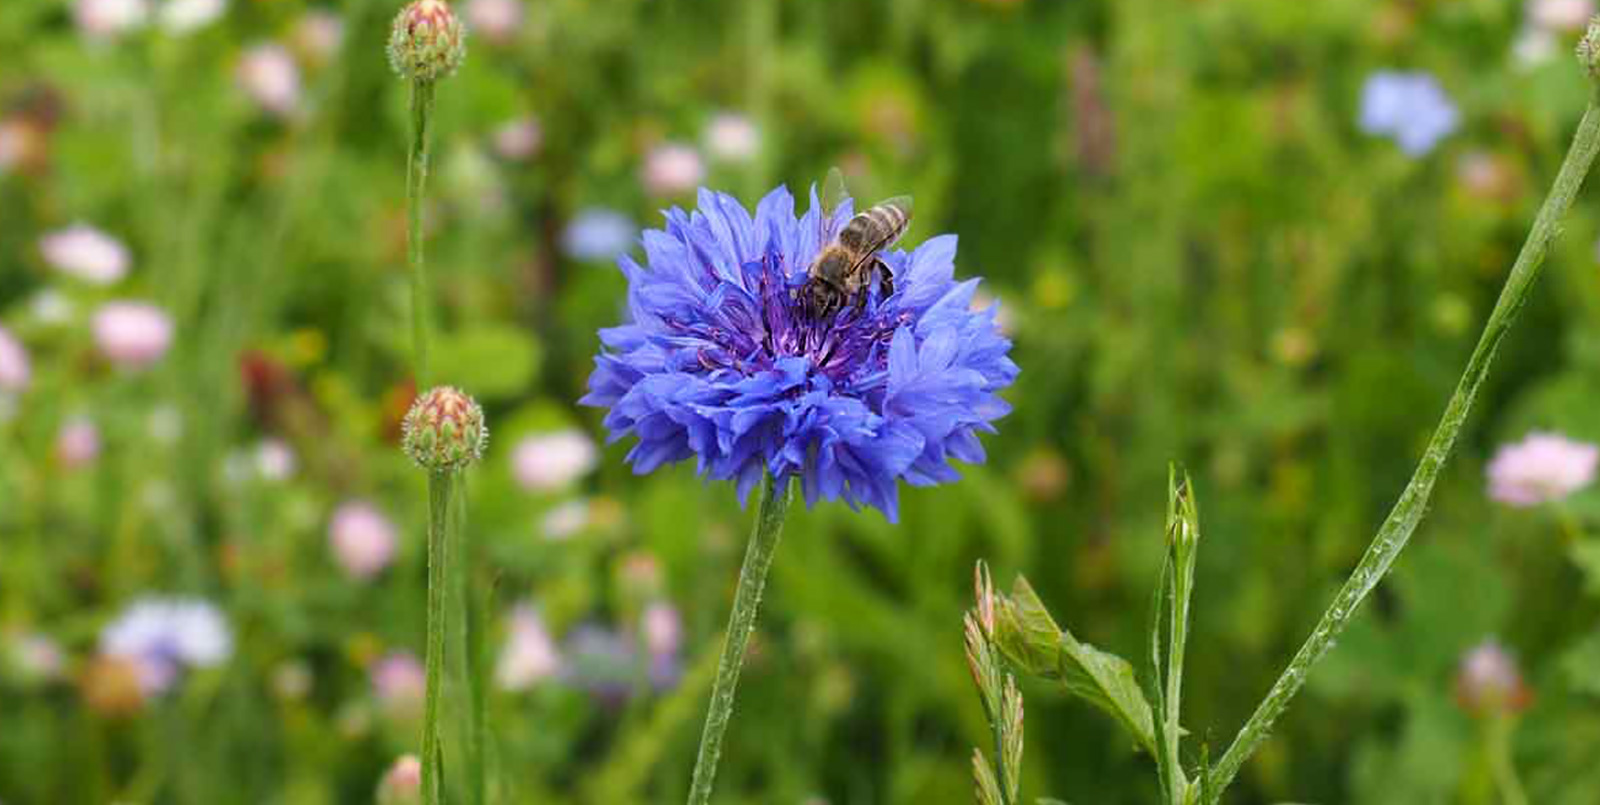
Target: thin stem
[[1500, 763], [1182, 587], [1408, 511], [741, 622], [416, 183], [440, 487]]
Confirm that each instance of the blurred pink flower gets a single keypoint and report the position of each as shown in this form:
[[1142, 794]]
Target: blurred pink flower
[[77, 443], [495, 20], [36, 657], [402, 783], [1542, 468], [268, 74], [363, 539], [15, 371], [673, 169], [1488, 680], [275, 460], [399, 681], [1560, 15], [518, 139], [87, 253], [732, 137], [553, 460], [107, 19], [530, 655], [132, 335], [318, 35], [663, 629]]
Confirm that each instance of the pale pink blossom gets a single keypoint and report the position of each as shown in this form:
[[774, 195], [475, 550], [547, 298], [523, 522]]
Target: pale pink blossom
[[1542, 468], [1488, 680], [275, 460], [663, 629], [673, 169], [319, 34], [399, 681], [37, 657], [402, 783], [15, 370], [87, 253], [268, 74], [1560, 15], [495, 20], [363, 539], [184, 16], [132, 335], [530, 655], [77, 443], [552, 461], [732, 137], [519, 139], [108, 19]]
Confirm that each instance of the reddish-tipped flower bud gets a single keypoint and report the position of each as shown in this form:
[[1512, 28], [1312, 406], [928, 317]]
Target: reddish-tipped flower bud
[[444, 431], [428, 42]]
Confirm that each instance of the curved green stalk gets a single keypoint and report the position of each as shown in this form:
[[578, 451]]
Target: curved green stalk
[[741, 622], [440, 487], [1408, 511], [416, 183]]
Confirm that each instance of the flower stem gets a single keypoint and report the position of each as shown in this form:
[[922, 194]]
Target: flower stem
[[1408, 511], [441, 484], [416, 182], [1501, 766], [741, 622]]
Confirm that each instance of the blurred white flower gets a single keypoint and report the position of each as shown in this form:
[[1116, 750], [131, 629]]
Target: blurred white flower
[[107, 19], [553, 460], [164, 636], [268, 74], [275, 460], [1560, 15], [77, 443], [1533, 47], [87, 253], [565, 520], [319, 34], [363, 539], [1542, 468], [399, 681], [494, 20], [132, 335], [530, 655], [663, 629], [51, 307], [597, 234], [15, 370], [183, 16], [165, 424], [732, 137], [519, 139], [672, 169], [36, 657]]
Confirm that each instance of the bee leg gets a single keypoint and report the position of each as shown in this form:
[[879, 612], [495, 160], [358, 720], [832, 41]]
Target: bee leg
[[886, 278]]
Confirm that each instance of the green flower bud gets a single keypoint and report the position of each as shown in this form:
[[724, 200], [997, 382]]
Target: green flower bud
[[428, 42], [444, 430], [1589, 49]]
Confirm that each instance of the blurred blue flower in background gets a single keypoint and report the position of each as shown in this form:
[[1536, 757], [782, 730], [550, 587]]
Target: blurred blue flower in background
[[719, 361], [596, 234], [1410, 107]]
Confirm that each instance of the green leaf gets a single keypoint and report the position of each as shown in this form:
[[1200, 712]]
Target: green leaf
[[1031, 639]]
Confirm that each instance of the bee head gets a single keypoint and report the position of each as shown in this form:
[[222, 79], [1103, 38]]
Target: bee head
[[819, 298]]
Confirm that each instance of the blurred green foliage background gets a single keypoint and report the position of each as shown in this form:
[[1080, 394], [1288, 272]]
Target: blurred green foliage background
[[1200, 254]]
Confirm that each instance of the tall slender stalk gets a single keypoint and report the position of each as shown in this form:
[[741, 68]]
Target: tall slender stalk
[[1408, 511], [741, 622], [441, 485], [416, 184], [1182, 539]]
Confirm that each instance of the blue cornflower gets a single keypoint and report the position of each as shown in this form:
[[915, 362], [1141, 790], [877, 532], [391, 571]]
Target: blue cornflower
[[1410, 107], [720, 361]]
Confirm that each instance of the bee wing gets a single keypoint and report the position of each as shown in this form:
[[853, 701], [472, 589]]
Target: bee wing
[[833, 192], [903, 202]]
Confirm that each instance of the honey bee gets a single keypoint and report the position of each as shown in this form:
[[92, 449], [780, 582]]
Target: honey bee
[[843, 271]]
